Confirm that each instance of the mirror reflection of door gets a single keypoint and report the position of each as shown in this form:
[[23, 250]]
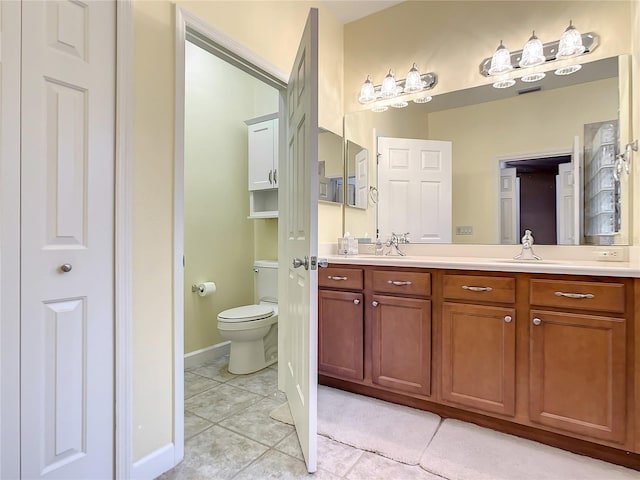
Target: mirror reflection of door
[[537, 194], [415, 185]]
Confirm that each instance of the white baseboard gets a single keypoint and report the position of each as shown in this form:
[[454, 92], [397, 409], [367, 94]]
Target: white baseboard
[[154, 464], [208, 354]]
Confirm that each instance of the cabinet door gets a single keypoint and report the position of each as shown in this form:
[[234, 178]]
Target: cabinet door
[[263, 155], [577, 373], [340, 334], [478, 357], [401, 334]]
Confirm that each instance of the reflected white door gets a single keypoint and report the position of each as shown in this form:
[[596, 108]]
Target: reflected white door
[[565, 205], [509, 207], [299, 214], [67, 195], [417, 173], [362, 181]]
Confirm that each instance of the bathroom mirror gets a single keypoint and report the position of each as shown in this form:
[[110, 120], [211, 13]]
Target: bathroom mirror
[[357, 175], [492, 129], [330, 167]]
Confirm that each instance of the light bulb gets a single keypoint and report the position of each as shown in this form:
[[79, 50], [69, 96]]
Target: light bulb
[[367, 92], [413, 82], [501, 61], [532, 54], [388, 88]]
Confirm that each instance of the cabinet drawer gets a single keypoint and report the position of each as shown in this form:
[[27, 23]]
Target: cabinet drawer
[[348, 278], [409, 283], [484, 289], [605, 297]]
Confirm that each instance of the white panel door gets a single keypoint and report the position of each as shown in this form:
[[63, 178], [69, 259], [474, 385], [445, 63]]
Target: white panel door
[[263, 154], [299, 189], [509, 207], [416, 173], [9, 239], [67, 193], [565, 205], [362, 180]]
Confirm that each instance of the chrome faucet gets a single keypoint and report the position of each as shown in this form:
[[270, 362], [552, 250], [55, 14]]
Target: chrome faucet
[[395, 240], [527, 248]]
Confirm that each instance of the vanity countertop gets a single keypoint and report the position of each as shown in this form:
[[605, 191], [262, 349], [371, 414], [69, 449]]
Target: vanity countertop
[[568, 267]]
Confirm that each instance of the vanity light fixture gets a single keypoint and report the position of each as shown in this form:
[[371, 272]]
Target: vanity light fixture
[[532, 54], [571, 44], [394, 90]]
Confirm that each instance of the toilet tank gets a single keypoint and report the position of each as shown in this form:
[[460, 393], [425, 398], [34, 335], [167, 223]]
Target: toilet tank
[[266, 280]]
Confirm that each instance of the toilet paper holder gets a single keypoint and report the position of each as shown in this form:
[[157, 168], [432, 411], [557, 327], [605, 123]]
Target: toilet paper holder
[[195, 288]]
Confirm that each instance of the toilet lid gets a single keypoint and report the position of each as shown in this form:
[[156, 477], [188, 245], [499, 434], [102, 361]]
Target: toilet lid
[[246, 313]]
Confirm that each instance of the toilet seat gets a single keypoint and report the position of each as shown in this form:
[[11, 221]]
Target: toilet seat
[[246, 313]]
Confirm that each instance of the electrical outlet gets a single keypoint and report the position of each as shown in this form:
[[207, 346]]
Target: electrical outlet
[[611, 254], [464, 230]]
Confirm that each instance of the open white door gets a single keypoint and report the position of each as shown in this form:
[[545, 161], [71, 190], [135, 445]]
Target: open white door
[[416, 173], [565, 205], [299, 219], [576, 162], [362, 181], [509, 207]]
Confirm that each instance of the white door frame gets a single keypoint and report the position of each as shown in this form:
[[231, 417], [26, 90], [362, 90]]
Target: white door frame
[[10, 264], [500, 159], [256, 66]]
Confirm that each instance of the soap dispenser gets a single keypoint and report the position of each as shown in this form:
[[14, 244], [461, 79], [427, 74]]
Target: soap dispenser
[[379, 249]]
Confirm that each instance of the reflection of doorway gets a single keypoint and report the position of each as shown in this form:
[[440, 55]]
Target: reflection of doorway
[[537, 193]]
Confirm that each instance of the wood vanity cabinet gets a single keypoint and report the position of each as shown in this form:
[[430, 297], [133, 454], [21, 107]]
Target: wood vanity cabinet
[[401, 331], [341, 323], [548, 357], [577, 374], [479, 342]]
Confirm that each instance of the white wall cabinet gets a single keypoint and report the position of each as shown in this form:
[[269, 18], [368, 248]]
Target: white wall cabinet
[[263, 166]]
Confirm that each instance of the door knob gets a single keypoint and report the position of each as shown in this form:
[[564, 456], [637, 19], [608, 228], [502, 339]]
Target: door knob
[[66, 267], [297, 263], [374, 303], [537, 321], [356, 301], [508, 319]]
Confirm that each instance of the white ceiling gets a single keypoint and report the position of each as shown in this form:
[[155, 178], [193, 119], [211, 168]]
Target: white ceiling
[[349, 10]]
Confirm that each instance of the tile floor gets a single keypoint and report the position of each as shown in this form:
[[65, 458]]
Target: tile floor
[[229, 435]]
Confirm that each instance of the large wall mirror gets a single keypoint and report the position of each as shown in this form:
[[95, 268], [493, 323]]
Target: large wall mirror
[[330, 167], [536, 156]]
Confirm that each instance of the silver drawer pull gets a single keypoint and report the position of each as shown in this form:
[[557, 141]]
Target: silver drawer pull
[[574, 295], [374, 304], [398, 283], [508, 319], [477, 289], [331, 277], [356, 301], [536, 321]]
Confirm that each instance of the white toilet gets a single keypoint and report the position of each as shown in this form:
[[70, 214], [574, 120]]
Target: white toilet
[[253, 329]]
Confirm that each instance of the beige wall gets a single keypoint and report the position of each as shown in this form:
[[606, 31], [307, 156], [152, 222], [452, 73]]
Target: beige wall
[[452, 38], [218, 236], [480, 133], [270, 29]]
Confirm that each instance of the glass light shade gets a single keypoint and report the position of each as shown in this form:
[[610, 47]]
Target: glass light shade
[[568, 70], [425, 99], [501, 61], [367, 92], [400, 104], [379, 108], [504, 83], [570, 43], [413, 82], [533, 77], [532, 53], [389, 88]]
